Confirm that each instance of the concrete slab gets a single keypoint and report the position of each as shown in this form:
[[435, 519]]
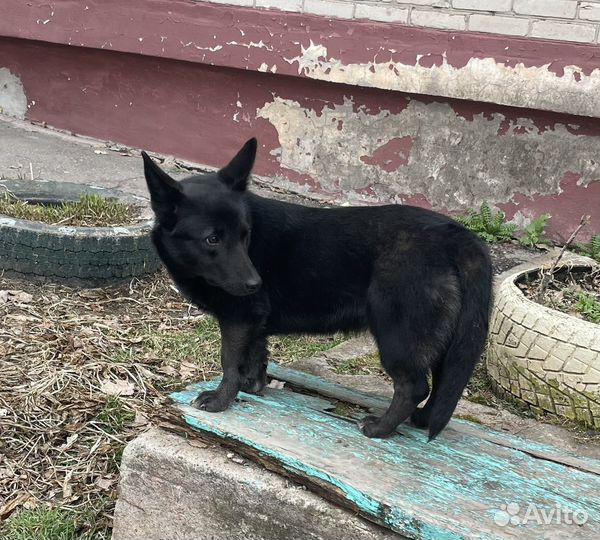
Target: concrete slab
[[173, 488], [28, 151], [31, 151]]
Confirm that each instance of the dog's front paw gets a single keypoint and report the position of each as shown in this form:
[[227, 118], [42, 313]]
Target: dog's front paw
[[372, 427], [211, 401]]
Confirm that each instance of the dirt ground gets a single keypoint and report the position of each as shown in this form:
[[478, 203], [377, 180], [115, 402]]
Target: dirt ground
[[83, 371]]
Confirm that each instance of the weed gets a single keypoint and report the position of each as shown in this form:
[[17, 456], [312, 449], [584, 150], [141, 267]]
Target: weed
[[488, 225], [588, 306], [591, 249], [534, 232], [114, 415]]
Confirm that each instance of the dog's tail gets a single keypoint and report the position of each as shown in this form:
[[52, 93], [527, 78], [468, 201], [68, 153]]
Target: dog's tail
[[474, 269]]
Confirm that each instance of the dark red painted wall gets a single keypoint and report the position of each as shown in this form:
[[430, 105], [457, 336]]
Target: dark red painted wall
[[220, 34], [189, 110]]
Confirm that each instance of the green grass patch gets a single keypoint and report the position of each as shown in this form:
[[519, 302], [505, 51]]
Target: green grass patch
[[289, 348], [114, 415], [114, 459], [44, 523], [362, 365], [88, 211], [201, 345]]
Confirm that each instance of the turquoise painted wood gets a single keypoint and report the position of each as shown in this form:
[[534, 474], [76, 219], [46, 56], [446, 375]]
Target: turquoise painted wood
[[459, 486], [378, 404]]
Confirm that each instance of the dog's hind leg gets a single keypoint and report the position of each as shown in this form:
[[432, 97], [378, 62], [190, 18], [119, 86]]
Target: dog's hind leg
[[253, 371], [409, 390], [403, 357]]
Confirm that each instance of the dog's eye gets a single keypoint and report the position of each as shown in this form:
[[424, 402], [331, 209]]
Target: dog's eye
[[212, 240]]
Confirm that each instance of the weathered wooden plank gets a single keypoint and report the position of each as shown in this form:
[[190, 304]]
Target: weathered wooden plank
[[451, 488], [326, 388], [378, 403]]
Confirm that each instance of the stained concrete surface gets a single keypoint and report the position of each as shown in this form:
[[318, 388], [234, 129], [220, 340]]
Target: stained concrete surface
[[30, 151], [172, 488]]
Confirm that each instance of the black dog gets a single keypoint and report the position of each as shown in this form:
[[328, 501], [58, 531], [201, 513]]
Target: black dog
[[419, 281]]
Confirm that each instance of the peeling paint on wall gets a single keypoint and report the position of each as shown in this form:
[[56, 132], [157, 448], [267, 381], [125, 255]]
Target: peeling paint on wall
[[428, 150], [13, 101], [375, 146], [481, 79], [521, 72]]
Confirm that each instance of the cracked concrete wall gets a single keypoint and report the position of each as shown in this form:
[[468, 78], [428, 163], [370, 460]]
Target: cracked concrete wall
[[13, 101], [430, 153], [458, 163]]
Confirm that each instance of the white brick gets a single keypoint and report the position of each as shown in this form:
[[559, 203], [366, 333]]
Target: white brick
[[564, 31], [432, 3], [284, 5], [435, 19], [499, 25], [234, 2], [381, 13], [478, 5], [343, 10], [564, 9], [589, 11]]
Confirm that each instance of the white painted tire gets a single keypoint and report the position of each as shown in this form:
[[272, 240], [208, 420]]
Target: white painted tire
[[543, 358]]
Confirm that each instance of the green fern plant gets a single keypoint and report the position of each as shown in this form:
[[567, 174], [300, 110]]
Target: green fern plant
[[488, 225], [591, 249], [534, 232]]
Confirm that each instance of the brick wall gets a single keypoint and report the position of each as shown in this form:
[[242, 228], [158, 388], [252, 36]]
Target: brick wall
[[570, 20]]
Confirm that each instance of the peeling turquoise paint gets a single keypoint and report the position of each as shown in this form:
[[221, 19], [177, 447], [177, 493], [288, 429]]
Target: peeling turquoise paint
[[448, 489]]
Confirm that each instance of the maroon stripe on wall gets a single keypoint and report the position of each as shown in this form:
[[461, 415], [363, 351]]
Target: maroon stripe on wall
[[247, 38]]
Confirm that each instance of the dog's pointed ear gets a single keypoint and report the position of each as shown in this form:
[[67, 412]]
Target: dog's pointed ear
[[165, 193], [237, 172]]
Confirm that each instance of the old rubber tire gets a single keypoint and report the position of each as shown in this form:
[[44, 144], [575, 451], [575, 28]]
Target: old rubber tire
[[84, 256], [544, 359]]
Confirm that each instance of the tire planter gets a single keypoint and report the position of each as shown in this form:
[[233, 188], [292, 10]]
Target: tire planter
[[84, 256], [543, 358]]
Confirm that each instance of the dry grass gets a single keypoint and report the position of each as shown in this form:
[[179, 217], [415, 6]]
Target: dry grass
[[82, 373]]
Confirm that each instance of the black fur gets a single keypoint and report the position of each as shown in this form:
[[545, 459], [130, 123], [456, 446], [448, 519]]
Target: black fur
[[419, 281]]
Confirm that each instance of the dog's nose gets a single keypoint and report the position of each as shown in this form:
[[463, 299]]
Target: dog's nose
[[253, 284]]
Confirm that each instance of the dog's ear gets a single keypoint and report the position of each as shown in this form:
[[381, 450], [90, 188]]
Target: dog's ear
[[165, 193], [237, 172]]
